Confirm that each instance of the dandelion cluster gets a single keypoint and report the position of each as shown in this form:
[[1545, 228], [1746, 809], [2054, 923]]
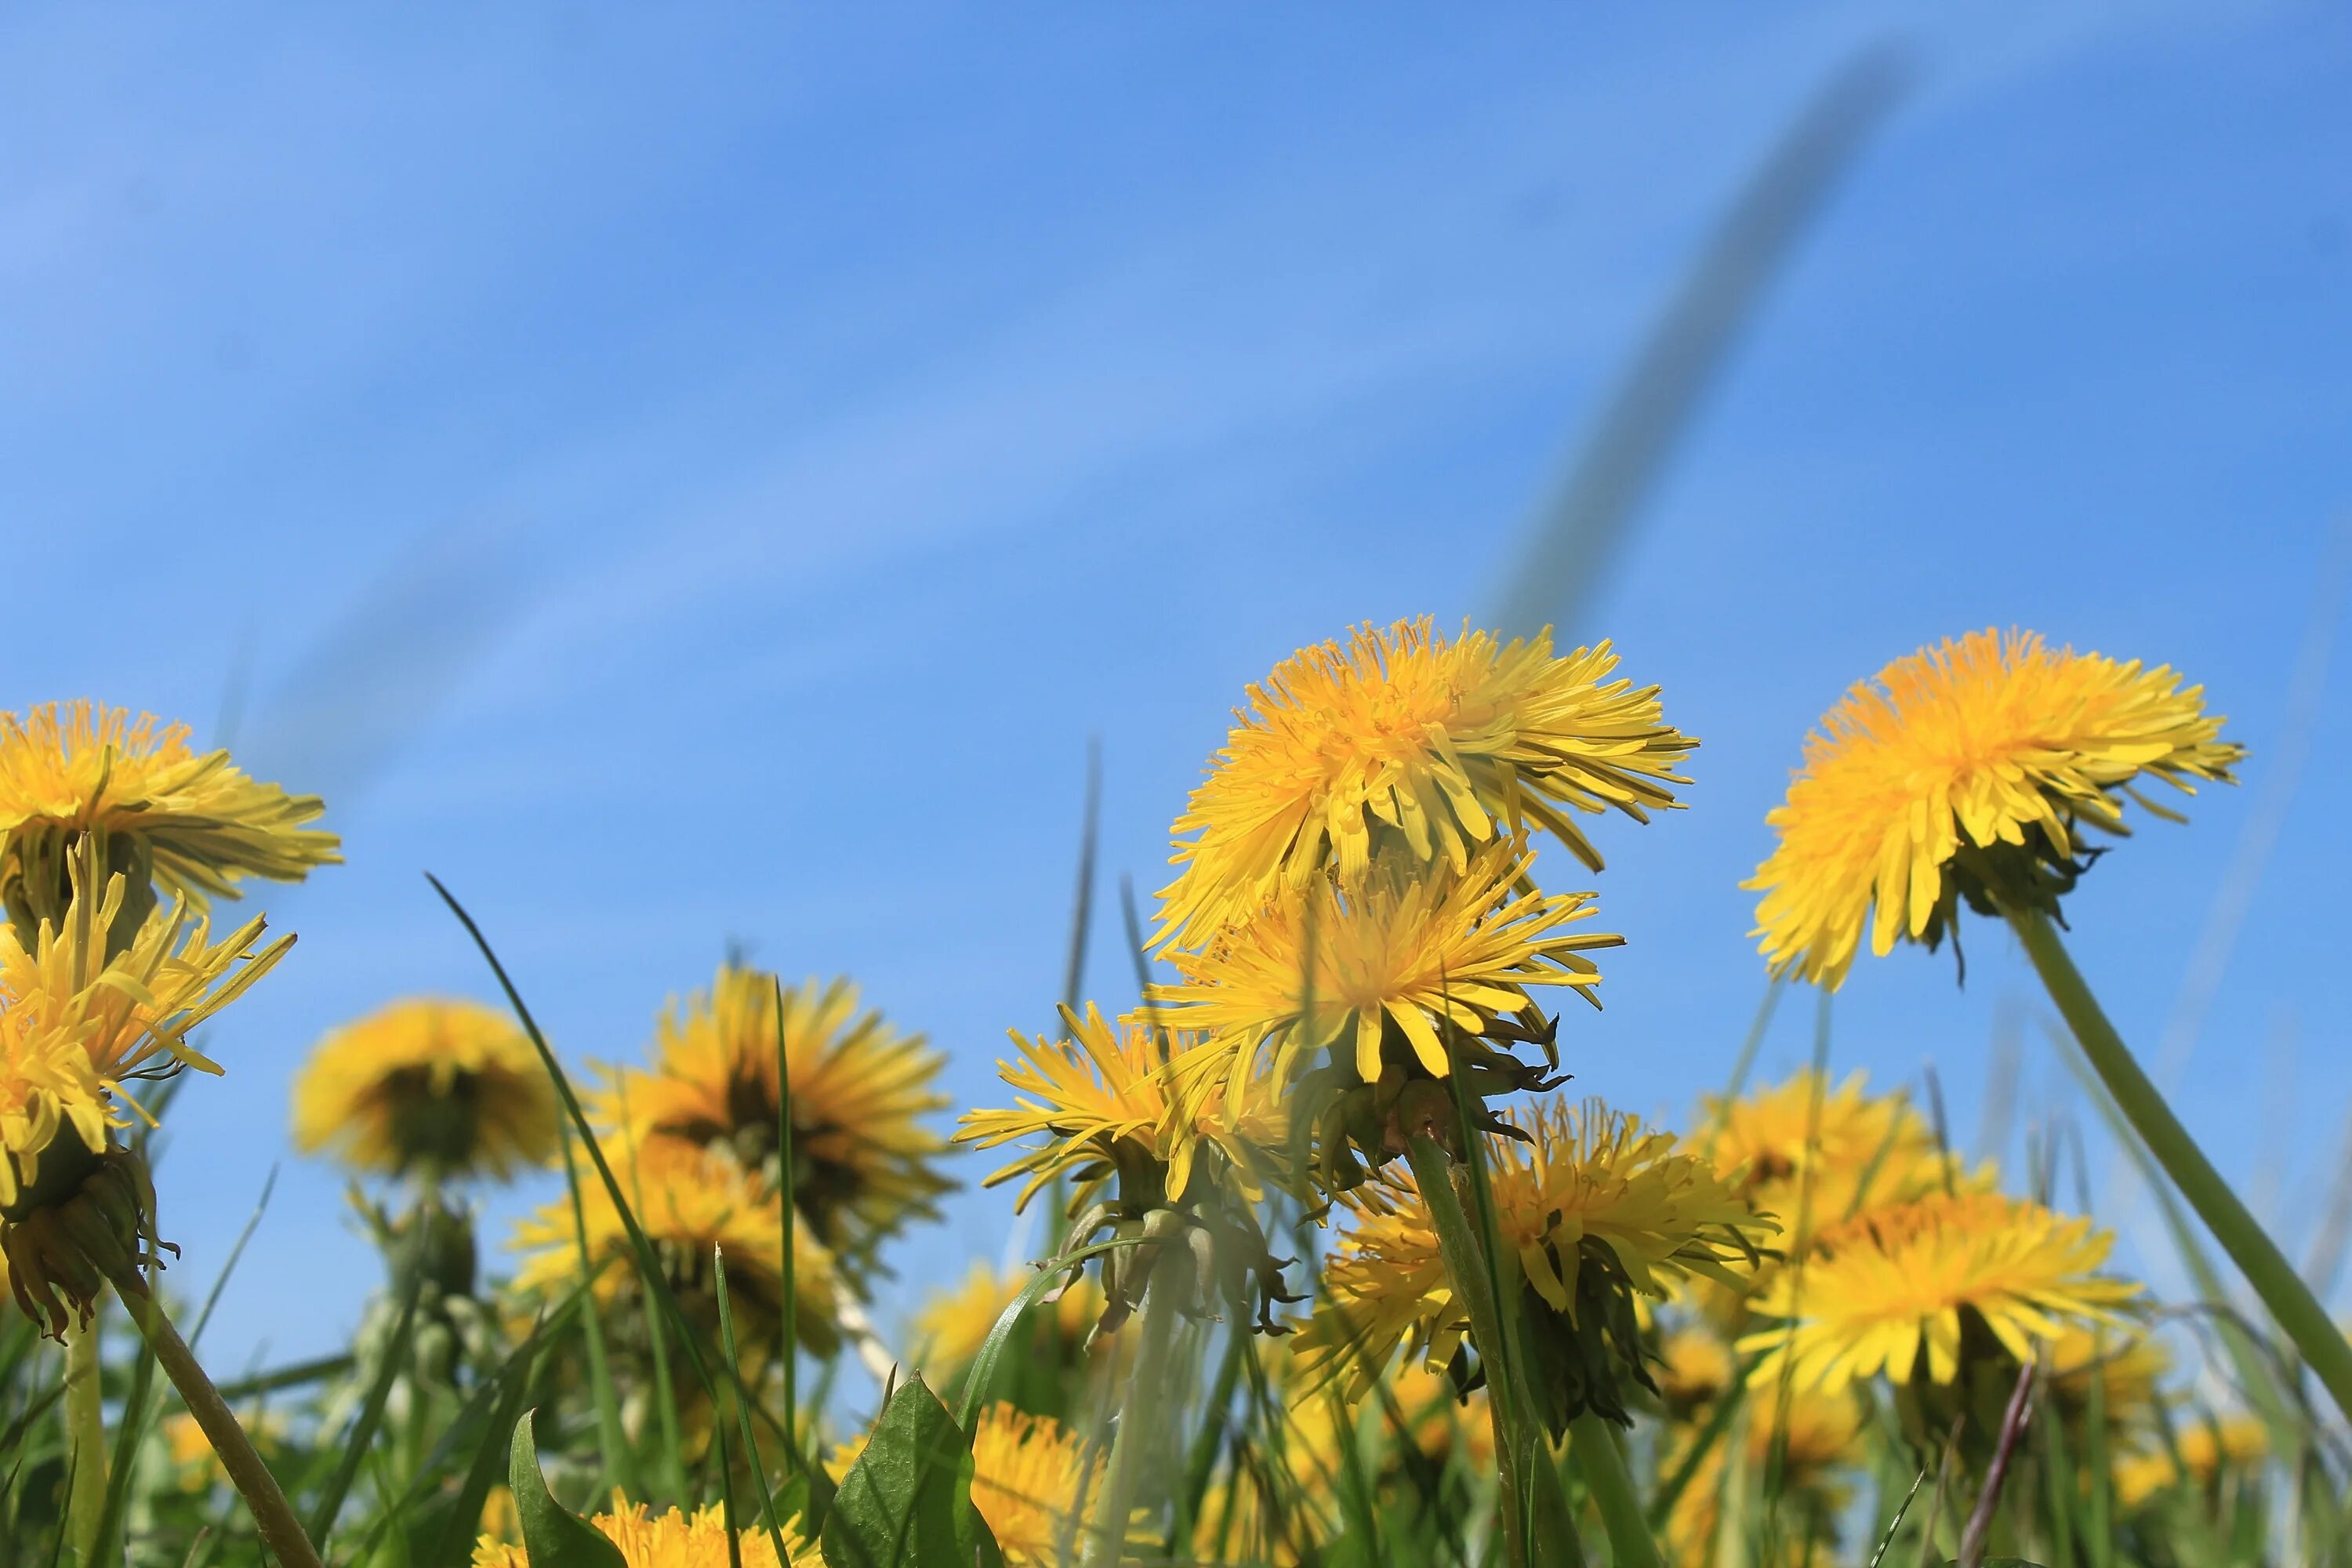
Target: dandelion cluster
[[1329, 1270]]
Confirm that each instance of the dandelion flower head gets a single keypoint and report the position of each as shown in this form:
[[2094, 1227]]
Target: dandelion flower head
[[1107, 1098], [688, 1202], [77, 1026], [1888, 1290], [1439, 745], [1981, 757], [198, 823], [1378, 969], [865, 1164], [2205, 1448], [1597, 1211], [672, 1539], [1812, 1155], [452, 1087]]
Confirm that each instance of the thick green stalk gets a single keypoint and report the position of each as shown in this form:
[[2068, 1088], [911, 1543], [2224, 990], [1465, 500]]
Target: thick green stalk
[[1594, 1447], [1433, 1171], [273, 1516], [2258, 1258], [1143, 1417], [84, 1435]]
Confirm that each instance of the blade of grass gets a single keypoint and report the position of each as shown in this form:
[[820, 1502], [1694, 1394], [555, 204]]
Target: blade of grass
[[1579, 533], [743, 1401], [360, 1437], [619, 1459], [788, 1180]]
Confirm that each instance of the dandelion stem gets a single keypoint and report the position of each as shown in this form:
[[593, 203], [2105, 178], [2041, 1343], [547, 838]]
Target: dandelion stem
[[1432, 1171], [1631, 1544], [1143, 1418], [272, 1515], [86, 1433], [2258, 1258]]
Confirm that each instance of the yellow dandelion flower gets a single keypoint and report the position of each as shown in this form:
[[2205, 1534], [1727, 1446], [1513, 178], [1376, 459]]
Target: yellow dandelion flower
[[1108, 1099], [2205, 1448], [1812, 1155], [77, 1026], [193, 821], [1815, 1435], [1395, 957], [1439, 745], [1440, 1421], [1887, 1290], [1967, 770], [673, 1540], [688, 1202], [1025, 1472], [450, 1086], [955, 1322], [1694, 1368], [2126, 1365], [1596, 1212], [864, 1165]]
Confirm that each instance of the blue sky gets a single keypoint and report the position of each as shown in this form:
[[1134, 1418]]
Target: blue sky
[[704, 476]]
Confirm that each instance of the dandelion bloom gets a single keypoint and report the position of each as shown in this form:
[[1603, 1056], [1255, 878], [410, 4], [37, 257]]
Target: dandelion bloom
[[1025, 1474], [1812, 1155], [77, 1025], [863, 1163], [1108, 1099], [687, 1202], [2205, 1448], [1596, 1210], [2125, 1364], [195, 822], [1402, 735], [955, 1322], [1399, 955], [452, 1087], [1694, 1368], [1966, 771], [1887, 1290], [1814, 1435], [673, 1540]]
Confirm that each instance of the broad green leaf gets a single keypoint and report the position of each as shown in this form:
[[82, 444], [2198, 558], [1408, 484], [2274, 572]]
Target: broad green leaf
[[907, 1503], [552, 1533]]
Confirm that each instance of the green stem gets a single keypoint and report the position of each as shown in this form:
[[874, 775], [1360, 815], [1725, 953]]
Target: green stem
[[1433, 1171], [1142, 1415], [2266, 1268], [86, 1434], [1594, 1445], [272, 1515]]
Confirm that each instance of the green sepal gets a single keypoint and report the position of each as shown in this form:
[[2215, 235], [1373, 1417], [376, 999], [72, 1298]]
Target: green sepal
[[553, 1536]]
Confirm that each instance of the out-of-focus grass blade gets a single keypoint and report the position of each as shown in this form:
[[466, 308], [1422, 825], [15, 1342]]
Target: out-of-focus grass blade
[[299, 1375], [459, 1530], [619, 1459], [360, 1436], [789, 1219], [362, 694], [982, 1375], [1719, 1422], [1082, 901], [1576, 534], [1202, 1462]]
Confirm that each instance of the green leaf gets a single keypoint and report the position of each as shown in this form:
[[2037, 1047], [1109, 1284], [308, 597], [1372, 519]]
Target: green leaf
[[907, 1503], [553, 1536]]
